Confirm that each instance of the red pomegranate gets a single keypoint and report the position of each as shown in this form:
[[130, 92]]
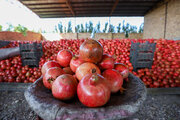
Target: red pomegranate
[[48, 65], [68, 70], [107, 62], [1, 78], [93, 90], [105, 56], [64, 87], [51, 75], [75, 63], [64, 57], [86, 68], [75, 77], [122, 69], [115, 79], [91, 51]]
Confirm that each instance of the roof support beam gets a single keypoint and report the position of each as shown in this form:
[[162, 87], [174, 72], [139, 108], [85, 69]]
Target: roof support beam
[[158, 4], [114, 6], [70, 7]]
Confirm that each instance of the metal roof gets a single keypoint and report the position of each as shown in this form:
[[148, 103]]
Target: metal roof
[[89, 8]]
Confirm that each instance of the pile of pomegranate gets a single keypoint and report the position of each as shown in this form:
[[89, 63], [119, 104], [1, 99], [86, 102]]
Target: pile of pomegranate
[[165, 71], [11, 70], [92, 75]]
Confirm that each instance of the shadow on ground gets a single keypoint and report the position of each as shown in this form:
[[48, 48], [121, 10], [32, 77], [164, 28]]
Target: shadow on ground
[[13, 106]]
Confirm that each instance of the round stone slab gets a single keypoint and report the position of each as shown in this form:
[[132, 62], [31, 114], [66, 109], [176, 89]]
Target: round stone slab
[[119, 106]]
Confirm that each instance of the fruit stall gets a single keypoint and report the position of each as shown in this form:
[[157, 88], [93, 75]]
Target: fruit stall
[[88, 78], [164, 72], [70, 67]]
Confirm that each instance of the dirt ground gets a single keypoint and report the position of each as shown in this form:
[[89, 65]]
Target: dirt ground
[[13, 106]]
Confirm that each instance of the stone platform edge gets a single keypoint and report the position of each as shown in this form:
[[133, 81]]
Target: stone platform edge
[[21, 87]]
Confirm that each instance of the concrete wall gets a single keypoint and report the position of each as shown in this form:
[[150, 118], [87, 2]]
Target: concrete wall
[[83, 35], [154, 23], [135, 36], [68, 35], [163, 21], [97, 36], [173, 20], [118, 35]]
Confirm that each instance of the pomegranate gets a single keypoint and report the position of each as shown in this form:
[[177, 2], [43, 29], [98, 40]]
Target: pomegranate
[[48, 65], [86, 68], [68, 70], [105, 56], [93, 90], [115, 79], [1, 78], [165, 68], [106, 62], [64, 57], [64, 87], [51, 75], [91, 51], [122, 69], [75, 63]]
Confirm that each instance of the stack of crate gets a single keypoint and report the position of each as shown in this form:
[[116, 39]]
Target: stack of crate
[[31, 54], [4, 43], [142, 54]]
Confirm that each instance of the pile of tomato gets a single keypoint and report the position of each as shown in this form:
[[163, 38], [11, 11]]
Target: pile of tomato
[[165, 70]]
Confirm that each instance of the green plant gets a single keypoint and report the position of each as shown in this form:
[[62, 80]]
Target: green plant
[[0, 27], [82, 29], [119, 28], [65, 31], [141, 28], [105, 27], [60, 27], [123, 27], [42, 31], [10, 28], [90, 27], [111, 29], [21, 29], [86, 27], [133, 29], [69, 29], [33, 30], [56, 30], [126, 29], [77, 28], [98, 28]]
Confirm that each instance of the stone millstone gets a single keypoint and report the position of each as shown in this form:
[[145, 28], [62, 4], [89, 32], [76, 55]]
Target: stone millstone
[[119, 106]]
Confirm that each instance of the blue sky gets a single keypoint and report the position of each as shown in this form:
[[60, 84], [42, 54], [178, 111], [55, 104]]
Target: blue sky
[[13, 12]]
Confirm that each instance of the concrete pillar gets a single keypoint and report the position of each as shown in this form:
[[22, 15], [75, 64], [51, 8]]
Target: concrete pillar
[[163, 21]]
